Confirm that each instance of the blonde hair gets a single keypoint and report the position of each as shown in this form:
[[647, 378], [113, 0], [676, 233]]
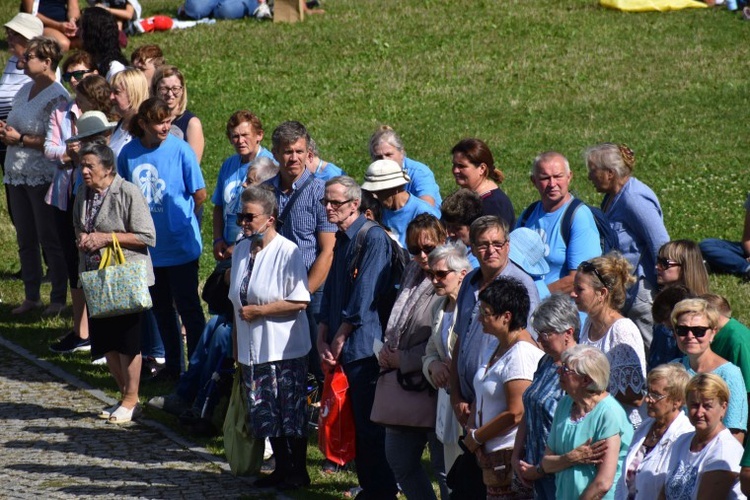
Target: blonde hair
[[134, 82], [614, 273], [696, 307], [676, 376], [709, 386], [166, 71], [688, 254]]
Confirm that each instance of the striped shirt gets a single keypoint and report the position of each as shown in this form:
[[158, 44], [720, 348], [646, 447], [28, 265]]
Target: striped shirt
[[10, 83], [306, 218]]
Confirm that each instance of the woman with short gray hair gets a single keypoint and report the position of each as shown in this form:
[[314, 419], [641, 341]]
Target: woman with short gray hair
[[588, 415], [558, 324]]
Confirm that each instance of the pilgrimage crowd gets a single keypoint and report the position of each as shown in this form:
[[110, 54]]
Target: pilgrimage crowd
[[574, 352]]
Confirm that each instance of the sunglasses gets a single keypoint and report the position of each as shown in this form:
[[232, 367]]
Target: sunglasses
[[241, 218], [496, 245], [335, 204], [665, 263], [78, 75], [416, 250], [440, 275], [698, 331], [588, 267]]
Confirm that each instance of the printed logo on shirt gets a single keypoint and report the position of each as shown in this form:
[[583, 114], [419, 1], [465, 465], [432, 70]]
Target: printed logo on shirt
[[682, 483], [232, 193], [146, 177]]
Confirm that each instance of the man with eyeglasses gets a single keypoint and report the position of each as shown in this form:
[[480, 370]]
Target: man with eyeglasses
[[302, 219], [349, 325], [551, 175], [490, 244]]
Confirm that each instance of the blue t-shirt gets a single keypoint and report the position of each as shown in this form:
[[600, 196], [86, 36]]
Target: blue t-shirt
[[397, 221], [327, 172], [422, 180], [168, 176], [584, 239], [228, 190], [736, 416], [604, 421]]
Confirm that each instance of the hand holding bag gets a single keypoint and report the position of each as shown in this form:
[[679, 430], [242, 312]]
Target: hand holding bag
[[336, 420], [244, 453], [117, 287]]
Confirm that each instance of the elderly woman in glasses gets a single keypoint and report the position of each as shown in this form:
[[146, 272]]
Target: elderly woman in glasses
[[558, 324], [448, 267], [268, 288], [634, 212], [599, 290], [645, 465], [587, 414], [695, 324], [407, 333], [169, 85], [705, 463], [28, 175]]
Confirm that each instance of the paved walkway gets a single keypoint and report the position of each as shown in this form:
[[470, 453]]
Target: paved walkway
[[54, 446]]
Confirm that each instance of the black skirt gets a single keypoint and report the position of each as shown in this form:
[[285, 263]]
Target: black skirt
[[119, 333]]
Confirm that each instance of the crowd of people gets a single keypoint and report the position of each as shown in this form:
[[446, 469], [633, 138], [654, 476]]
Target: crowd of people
[[572, 352]]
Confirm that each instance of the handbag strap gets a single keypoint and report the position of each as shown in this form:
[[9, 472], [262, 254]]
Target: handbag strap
[[282, 218], [112, 255]]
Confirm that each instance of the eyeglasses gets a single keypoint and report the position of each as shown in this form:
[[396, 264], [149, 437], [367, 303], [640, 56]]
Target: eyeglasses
[[665, 263], [176, 90], [246, 217], [698, 331], [547, 335], [335, 204], [29, 55], [416, 250], [655, 398], [496, 245], [588, 267], [439, 274], [566, 370], [78, 75], [486, 313]]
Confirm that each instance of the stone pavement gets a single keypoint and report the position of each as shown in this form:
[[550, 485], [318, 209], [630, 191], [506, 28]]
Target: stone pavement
[[52, 445]]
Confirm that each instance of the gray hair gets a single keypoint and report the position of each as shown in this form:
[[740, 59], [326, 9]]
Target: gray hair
[[102, 152], [454, 254], [608, 156], [556, 314], [264, 196], [312, 146], [590, 362], [264, 168], [544, 158], [385, 134], [351, 188], [289, 133], [484, 224]]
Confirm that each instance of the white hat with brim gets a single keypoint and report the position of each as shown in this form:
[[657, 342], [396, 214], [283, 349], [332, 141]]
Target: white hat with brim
[[90, 123], [26, 25], [384, 174], [527, 251]]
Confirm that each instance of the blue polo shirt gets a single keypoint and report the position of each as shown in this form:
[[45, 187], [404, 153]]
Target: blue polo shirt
[[422, 180], [355, 300], [306, 218], [398, 220], [228, 190]]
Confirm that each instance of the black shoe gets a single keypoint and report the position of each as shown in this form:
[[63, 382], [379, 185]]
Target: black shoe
[[164, 376], [294, 483], [71, 343], [270, 481], [150, 368]]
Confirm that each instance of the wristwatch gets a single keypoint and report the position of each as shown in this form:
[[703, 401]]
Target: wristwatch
[[20, 140]]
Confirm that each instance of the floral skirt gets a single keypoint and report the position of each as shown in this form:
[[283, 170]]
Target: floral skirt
[[276, 397]]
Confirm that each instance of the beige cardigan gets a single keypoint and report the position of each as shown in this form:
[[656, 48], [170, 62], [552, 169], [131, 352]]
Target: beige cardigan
[[434, 350]]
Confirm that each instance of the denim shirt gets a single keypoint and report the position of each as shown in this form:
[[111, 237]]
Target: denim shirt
[[355, 300]]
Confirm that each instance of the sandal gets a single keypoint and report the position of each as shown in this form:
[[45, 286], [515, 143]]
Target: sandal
[[122, 415], [107, 412]]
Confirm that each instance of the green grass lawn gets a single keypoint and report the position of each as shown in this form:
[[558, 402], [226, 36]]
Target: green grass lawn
[[524, 76]]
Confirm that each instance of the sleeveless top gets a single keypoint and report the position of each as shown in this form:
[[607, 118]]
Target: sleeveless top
[[180, 125]]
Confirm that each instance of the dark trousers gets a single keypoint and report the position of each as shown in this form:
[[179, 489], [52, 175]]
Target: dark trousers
[[177, 286], [374, 475]]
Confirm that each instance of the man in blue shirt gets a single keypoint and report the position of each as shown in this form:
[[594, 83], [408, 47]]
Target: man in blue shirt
[[349, 324], [302, 217], [387, 181], [551, 175]]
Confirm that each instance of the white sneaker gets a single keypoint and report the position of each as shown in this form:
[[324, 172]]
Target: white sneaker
[[100, 361], [262, 12]]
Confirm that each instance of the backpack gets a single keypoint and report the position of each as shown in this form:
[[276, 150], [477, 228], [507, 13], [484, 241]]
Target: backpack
[[608, 239], [399, 260]]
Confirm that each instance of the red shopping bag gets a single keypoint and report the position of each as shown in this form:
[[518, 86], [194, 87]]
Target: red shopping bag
[[336, 421]]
